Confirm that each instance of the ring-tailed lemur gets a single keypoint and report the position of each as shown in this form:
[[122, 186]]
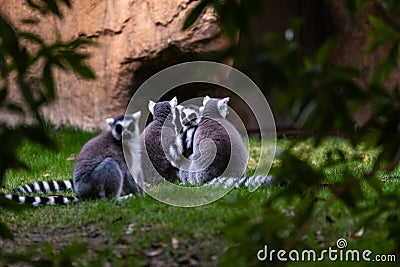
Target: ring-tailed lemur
[[189, 118], [216, 110], [218, 148], [99, 170], [156, 137], [55, 186]]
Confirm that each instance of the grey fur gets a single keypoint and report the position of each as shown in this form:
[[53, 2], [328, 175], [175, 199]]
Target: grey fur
[[218, 148], [156, 165], [189, 118], [100, 169]]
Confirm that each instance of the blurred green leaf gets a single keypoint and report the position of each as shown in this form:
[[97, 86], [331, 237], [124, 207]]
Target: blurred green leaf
[[3, 95], [49, 6], [79, 42], [9, 44], [382, 33], [195, 13], [67, 3], [34, 89], [48, 81], [52, 6], [31, 21], [323, 98], [15, 108], [36, 134], [385, 68], [324, 52], [31, 37], [353, 6], [80, 68]]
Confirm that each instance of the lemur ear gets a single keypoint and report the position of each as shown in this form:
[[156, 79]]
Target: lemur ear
[[173, 103], [137, 115], [110, 122], [180, 107], [206, 99], [151, 107], [223, 107], [201, 110], [223, 102]]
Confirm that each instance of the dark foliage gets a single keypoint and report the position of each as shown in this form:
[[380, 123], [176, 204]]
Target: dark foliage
[[322, 98], [16, 64]]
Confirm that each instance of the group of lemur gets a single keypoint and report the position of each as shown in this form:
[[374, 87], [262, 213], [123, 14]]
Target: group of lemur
[[184, 144]]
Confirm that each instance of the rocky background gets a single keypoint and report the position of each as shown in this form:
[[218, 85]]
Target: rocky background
[[136, 38]]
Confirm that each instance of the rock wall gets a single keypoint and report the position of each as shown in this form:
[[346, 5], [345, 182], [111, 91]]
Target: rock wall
[[135, 39]]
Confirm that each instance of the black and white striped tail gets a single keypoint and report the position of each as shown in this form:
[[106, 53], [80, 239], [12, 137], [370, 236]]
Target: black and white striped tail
[[36, 201], [252, 181], [44, 187]]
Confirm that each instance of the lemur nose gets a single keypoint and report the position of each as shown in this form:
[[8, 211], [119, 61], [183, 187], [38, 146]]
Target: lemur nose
[[185, 122], [125, 134]]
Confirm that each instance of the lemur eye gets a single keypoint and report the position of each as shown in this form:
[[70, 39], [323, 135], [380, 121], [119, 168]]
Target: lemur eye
[[131, 127], [118, 129], [192, 117]]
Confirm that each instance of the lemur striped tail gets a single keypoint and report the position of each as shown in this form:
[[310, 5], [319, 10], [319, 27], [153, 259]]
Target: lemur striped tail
[[35, 201], [43, 187], [254, 181]]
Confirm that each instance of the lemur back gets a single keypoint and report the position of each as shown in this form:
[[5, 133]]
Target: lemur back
[[100, 169], [226, 145], [161, 130]]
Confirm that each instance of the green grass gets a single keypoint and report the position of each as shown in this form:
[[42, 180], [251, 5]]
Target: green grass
[[142, 231], [49, 165]]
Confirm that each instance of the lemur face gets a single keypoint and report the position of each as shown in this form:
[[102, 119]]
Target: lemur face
[[124, 126], [189, 115]]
